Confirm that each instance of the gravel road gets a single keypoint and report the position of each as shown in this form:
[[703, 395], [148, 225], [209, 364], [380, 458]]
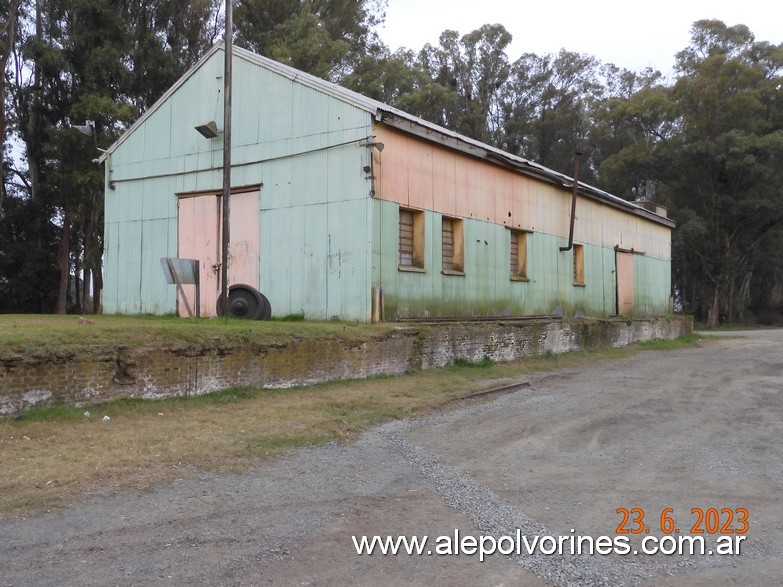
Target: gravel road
[[690, 429]]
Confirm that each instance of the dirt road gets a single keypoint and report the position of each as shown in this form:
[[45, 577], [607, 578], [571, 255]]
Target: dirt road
[[694, 429]]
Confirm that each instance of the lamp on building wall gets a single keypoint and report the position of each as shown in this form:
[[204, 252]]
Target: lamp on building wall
[[377, 145], [208, 130], [88, 128]]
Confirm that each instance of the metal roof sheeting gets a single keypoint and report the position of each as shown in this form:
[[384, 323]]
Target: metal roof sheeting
[[406, 122]]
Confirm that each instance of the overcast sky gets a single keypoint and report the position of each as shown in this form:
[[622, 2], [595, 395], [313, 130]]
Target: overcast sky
[[633, 35]]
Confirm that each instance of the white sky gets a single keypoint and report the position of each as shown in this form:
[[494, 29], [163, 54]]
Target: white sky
[[633, 35]]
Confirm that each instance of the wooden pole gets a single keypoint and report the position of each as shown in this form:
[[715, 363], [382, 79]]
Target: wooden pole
[[226, 239]]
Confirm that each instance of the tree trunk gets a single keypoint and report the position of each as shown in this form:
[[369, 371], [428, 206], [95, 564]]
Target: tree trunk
[[731, 303], [97, 288], [744, 294], [34, 138], [86, 306], [9, 31], [91, 262], [63, 262], [713, 318], [77, 269]]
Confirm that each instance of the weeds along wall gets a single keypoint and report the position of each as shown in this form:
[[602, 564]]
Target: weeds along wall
[[121, 372]]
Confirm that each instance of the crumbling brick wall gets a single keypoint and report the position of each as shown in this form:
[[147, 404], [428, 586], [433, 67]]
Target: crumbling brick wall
[[39, 379]]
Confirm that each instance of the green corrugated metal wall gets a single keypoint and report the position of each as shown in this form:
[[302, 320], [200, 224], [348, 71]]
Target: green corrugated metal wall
[[314, 205], [486, 288], [323, 241]]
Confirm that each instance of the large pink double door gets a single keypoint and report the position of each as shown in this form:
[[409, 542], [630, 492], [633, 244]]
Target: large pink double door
[[200, 223]]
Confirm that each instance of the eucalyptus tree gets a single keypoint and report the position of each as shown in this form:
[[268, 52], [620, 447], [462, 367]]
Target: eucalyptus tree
[[399, 80], [471, 70], [323, 37], [105, 61], [633, 123], [8, 35], [548, 107], [726, 182]]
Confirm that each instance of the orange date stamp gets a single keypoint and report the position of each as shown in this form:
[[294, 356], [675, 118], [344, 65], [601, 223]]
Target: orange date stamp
[[700, 521]]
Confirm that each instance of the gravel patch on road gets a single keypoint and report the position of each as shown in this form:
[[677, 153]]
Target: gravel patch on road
[[489, 467]]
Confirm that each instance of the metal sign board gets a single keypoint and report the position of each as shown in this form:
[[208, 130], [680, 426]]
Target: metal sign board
[[178, 271], [186, 270]]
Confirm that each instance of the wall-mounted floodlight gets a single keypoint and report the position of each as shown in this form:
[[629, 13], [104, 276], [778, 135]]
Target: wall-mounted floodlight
[[208, 130], [88, 128]]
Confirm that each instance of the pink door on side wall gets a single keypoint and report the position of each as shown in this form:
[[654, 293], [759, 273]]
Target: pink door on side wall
[[625, 289], [199, 237]]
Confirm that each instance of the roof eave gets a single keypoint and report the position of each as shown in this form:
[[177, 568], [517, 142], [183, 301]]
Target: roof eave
[[179, 83], [455, 141]]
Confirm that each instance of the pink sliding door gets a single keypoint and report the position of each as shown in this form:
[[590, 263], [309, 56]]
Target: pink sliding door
[[199, 237]]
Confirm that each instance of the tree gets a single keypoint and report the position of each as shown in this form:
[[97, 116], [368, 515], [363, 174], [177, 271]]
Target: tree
[[547, 109], [101, 60], [322, 37], [633, 124], [7, 42], [399, 80], [162, 40], [471, 70], [725, 183]]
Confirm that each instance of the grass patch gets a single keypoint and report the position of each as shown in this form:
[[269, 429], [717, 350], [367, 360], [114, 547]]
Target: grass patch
[[484, 363], [292, 318], [65, 335], [55, 455], [687, 340]]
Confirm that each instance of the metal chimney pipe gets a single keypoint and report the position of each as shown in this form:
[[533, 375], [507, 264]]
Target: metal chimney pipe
[[577, 161]]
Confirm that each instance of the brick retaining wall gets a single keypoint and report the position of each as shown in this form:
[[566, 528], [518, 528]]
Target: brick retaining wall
[[32, 380]]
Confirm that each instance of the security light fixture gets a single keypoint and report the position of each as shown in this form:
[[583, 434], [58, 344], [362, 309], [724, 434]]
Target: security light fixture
[[378, 146], [88, 128], [208, 130]]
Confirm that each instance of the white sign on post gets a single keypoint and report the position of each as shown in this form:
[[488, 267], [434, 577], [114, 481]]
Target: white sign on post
[[183, 271]]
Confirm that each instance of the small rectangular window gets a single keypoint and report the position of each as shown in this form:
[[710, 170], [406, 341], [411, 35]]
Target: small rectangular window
[[411, 251], [518, 254], [452, 244], [579, 265]]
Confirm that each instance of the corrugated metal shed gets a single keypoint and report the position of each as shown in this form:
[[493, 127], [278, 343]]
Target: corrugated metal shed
[[412, 124], [328, 230]]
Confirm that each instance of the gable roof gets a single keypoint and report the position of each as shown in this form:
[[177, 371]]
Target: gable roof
[[403, 121]]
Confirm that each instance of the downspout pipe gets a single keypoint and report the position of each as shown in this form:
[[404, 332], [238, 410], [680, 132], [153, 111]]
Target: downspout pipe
[[577, 161]]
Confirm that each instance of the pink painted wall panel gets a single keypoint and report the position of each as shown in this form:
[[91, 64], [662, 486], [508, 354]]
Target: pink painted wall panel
[[483, 201], [625, 283], [419, 173], [504, 199], [199, 238], [392, 168], [465, 188], [443, 181], [244, 247]]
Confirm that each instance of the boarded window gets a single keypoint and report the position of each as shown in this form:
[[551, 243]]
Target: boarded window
[[518, 254], [579, 265], [411, 239], [452, 239]]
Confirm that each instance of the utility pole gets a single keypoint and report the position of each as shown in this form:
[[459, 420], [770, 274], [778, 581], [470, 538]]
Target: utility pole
[[229, 35]]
